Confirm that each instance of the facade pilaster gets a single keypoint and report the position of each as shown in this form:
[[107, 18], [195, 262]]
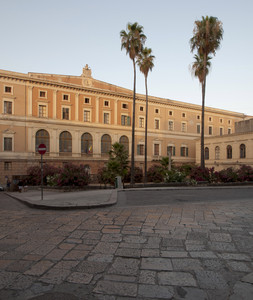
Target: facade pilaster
[[97, 109], [30, 100], [116, 112], [76, 107], [54, 103]]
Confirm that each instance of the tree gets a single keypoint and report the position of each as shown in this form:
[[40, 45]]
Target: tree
[[146, 63], [207, 36], [132, 41]]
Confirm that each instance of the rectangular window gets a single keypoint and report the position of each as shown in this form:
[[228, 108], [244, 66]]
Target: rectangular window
[[157, 125], [210, 130], [8, 89], [221, 120], [140, 149], [156, 149], [7, 165], [7, 144], [42, 111], [171, 126], [141, 122], [170, 113], [229, 130], [125, 120], [184, 151], [198, 117], [42, 94], [210, 119], [183, 115], [106, 103], [86, 116], [171, 150], [65, 97], [157, 111], [198, 128], [8, 107], [125, 106], [87, 100], [183, 127], [65, 113], [221, 131], [141, 108], [106, 118]]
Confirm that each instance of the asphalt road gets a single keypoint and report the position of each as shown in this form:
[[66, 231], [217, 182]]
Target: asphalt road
[[168, 196]]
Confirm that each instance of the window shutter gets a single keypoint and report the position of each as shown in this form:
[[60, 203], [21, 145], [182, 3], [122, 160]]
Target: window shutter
[[138, 149], [128, 121], [174, 151], [122, 120], [181, 151], [186, 151]]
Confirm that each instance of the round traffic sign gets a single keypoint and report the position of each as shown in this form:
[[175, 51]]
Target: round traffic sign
[[42, 149]]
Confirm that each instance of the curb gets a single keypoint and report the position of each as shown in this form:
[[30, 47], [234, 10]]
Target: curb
[[112, 201]]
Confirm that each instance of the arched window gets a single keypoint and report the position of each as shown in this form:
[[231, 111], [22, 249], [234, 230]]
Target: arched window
[[217, 152], [65, 143], [86, 144], [242, 151], [106, 143], [124, 141], [229, 152], [206, 153], [42, 137]]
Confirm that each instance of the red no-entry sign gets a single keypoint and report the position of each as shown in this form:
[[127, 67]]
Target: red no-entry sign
[[42, 149]]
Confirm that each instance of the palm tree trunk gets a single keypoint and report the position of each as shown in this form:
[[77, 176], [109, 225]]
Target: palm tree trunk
[[133, 129], [202, 161], [146, 133]]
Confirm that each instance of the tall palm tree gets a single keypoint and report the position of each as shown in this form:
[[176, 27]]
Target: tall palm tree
[[146, 63], [132, 41], [207, 36]]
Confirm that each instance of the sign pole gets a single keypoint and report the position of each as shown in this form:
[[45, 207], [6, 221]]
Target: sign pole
[[41, 177], [42, 150]]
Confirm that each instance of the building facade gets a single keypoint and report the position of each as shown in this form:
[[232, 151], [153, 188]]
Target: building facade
[[230, 150], [79, 118]]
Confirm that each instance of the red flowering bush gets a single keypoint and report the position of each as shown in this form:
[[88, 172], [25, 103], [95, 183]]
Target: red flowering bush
[[227, 175], [138, 175], [155, 174], [34, 174], [245, 173], [73, 175]]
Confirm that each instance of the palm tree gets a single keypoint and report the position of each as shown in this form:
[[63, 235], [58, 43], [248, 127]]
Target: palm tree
[[146, 63], [132, 41], [207, 36]]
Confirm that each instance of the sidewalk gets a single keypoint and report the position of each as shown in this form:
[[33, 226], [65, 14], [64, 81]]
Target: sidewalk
[[66, 200]]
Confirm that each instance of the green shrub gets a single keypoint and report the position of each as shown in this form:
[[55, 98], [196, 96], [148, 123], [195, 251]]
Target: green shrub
[[138, 175], [175, 176], [73, 175], [156, 174]]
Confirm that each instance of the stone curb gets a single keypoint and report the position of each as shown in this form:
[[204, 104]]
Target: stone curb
[[112, 201]]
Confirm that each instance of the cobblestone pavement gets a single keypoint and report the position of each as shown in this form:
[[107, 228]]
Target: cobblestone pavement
[[179, 251]]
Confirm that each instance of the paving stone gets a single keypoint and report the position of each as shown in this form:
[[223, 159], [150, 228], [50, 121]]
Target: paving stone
[[166, 242], [39, 268], [77, 277], [55, 276], [150, 253], [210, 280], [106, 248], [91, 267], [248, 278], [132, 239], [174, 254], [113, 238], [116, 288], [234, 256], [19, 266], [242, 290], [238, 266], [189, 293], [7, 278], [66, 264], [213, 264], [56, 254], [202, 254], [124, 266], [120, 278], [220, 246], [128, 252], [186, 264], [196, 247], [76, 255], [176, 278], [197, 236], [147, 277], [155, 291], [156, 264], [21, 282], [220, 237], [101, 257]]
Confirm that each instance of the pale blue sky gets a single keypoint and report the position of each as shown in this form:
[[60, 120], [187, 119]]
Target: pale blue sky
[[59, 36]]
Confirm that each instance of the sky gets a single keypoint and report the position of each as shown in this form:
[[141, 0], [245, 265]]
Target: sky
[[62, 36]]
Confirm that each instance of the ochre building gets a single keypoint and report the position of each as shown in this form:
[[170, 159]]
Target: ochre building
[[78, 118]]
